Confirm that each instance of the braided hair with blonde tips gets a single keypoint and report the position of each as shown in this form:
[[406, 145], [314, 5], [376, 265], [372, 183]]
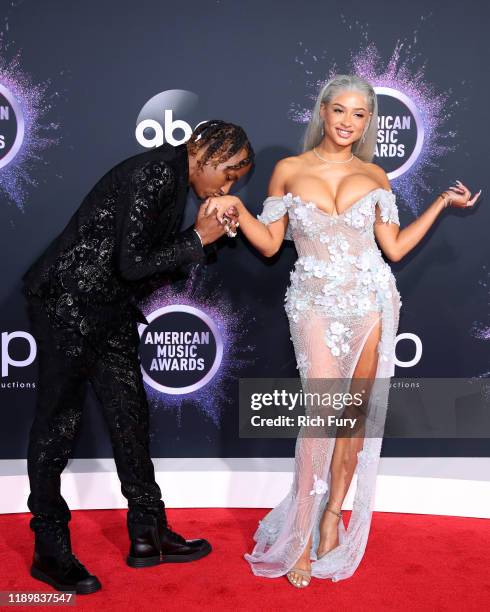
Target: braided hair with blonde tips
[[221, 141]]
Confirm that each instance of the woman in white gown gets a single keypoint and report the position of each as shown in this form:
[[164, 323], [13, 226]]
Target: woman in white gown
[[343, 310]]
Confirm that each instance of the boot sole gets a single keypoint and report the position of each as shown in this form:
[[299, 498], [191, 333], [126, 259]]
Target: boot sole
[[139, 562], [83, 590]]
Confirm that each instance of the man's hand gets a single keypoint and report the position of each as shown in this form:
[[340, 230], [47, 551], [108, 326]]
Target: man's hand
[[209, 226]]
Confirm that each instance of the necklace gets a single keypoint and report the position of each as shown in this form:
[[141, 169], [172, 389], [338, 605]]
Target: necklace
[[329, 161]]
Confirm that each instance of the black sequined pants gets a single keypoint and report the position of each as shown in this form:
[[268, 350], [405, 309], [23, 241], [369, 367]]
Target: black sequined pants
[[67, 361]]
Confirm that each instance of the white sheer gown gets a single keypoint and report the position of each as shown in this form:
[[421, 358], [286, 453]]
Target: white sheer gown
[[340, 288]]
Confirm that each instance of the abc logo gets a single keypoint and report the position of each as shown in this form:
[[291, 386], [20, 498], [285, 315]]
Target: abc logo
[[168, 117], [165, 134]]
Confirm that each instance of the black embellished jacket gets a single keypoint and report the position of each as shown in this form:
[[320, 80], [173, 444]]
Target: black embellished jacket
[[120, 245]]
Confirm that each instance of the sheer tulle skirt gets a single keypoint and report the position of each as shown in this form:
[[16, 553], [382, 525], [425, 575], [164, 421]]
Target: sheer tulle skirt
[[284, 532]]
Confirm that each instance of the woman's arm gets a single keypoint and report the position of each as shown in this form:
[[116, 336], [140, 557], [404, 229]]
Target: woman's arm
[[395, 242], [267, 239]]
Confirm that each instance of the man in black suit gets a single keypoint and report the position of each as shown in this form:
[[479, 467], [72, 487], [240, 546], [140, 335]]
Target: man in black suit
[[82, 294]]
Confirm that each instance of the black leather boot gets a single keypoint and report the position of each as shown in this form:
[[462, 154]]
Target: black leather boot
[[55, 564], [153, 542]]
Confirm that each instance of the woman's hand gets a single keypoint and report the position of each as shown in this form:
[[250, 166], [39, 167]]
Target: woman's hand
[[225, 211], [460, 196], [222, 205]]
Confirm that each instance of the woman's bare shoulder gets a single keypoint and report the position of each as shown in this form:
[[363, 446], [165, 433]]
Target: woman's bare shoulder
[[377, 173], [292, 160], [285, 166], [283, 170], [291, 164]]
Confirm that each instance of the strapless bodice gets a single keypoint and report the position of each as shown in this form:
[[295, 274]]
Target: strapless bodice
[[308, 220], [340, 271]]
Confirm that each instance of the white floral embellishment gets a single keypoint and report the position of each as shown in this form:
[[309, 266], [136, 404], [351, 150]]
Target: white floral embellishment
[[337, 338], [388, 208], [302, 364], [319, 486], [274, 208]]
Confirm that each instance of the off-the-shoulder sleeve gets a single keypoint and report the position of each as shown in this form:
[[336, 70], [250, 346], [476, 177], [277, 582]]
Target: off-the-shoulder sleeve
[[273, 209], [388, 208]]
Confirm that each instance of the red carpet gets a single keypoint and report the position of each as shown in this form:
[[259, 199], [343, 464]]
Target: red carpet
[[412, 562]]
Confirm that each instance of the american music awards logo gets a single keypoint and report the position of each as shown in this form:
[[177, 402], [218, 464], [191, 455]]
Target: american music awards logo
[[25, 130], [195, 346], [181, 349], [11, 126], [400, 132]]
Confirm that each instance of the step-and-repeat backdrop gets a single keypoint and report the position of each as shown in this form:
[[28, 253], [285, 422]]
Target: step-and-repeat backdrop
[[77, 79]]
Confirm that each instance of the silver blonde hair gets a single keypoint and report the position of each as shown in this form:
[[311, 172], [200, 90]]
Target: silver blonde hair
[[363, 149]]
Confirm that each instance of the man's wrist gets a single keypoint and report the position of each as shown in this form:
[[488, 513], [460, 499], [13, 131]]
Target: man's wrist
[[200, 238], [207, 247]]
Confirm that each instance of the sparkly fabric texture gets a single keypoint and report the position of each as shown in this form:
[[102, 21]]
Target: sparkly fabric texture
[[82, 297], [117, 382], [137, 258], [340, 289], [52, 539], [93, 284]]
